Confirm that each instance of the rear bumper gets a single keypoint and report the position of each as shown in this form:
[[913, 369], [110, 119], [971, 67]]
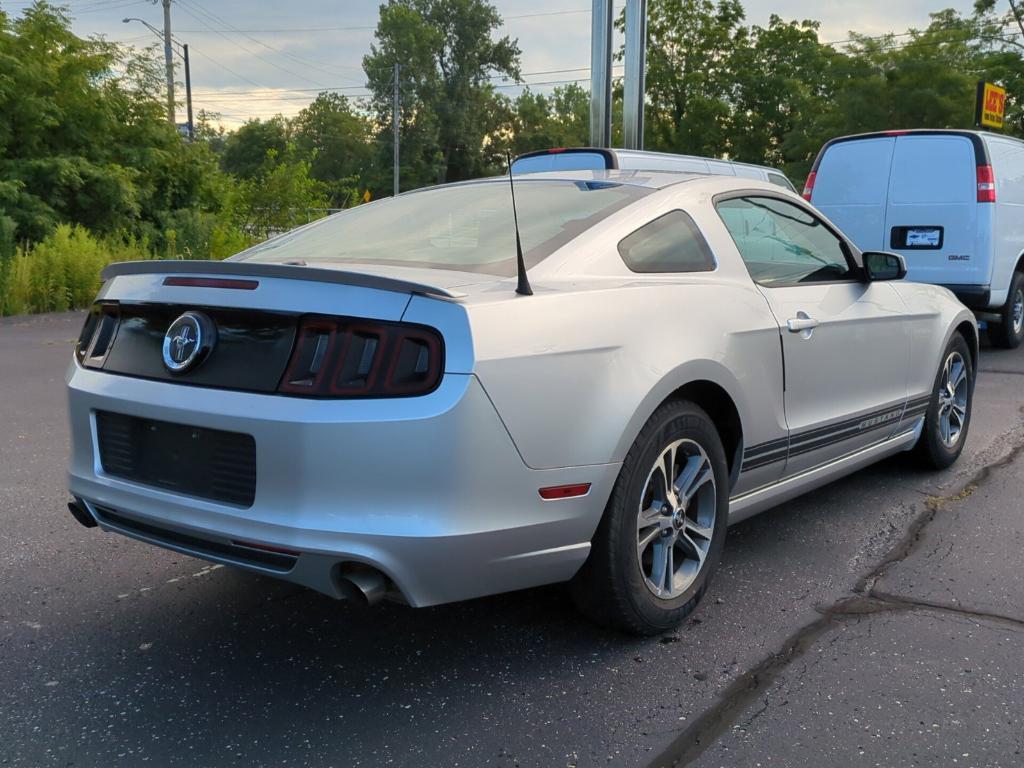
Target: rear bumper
[[430, 491]]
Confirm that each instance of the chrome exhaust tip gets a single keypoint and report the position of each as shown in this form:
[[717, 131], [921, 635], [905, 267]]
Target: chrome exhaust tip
[[362, 584]]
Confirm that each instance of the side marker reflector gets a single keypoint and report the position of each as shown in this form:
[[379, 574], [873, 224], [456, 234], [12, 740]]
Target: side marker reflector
[[564, 491]]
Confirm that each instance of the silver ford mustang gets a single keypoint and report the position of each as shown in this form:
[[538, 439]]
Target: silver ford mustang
[[419, 399]]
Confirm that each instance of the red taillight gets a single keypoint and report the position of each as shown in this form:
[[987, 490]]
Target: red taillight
[[97, 335], [986, 184], [809, 186], [343, 357], [897, 133], [564, 491]]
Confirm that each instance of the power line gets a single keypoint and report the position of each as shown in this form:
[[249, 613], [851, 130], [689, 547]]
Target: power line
[[231, 28], [364, 28], [185, 5]]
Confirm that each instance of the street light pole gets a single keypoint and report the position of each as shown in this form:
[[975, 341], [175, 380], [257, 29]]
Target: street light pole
[[601, 74], [188, 92], [396, 127], [634, 78], [169, 61], [170, 78]]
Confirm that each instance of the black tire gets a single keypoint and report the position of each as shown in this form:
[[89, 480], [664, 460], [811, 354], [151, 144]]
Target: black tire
[[611, 588], [1008, 331], [932, 449]]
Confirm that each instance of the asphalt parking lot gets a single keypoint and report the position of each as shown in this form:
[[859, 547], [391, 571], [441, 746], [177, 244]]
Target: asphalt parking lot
[[876, 622]]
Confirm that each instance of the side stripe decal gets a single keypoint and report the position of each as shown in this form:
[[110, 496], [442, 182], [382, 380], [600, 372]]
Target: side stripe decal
[[773, 451]]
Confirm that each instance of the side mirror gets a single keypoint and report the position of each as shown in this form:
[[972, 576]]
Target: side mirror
[[879, 265]]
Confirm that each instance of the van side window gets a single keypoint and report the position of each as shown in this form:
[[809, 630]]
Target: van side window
[[670, 243], [784, 244], [781, 181]]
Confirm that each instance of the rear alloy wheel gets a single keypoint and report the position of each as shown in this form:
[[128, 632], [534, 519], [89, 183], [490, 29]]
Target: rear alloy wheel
[[949, 413], [662, 533], [1008, 332], [676, 519]]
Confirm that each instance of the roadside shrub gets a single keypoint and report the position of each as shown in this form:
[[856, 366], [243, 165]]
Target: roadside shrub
[[62, 271], [7, 250]]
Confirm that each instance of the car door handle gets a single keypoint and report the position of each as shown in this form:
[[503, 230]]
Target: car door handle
[[802, 322]]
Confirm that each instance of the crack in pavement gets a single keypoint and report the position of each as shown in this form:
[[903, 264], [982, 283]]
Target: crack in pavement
[[706, 729]]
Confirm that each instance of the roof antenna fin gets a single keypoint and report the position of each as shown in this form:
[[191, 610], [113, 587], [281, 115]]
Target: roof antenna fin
[[523, 289]]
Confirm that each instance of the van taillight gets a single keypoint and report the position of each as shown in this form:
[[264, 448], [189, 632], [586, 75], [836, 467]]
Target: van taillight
[[986, 184], [351, 358], [809, 186]]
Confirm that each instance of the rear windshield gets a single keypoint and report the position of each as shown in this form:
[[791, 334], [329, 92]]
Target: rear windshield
[[465, 227]]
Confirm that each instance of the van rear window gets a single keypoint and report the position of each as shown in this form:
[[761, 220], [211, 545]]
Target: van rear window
[[854, 173], [933, 169]]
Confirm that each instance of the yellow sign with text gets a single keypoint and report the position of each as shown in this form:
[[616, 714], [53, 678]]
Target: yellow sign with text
[[991, 111]]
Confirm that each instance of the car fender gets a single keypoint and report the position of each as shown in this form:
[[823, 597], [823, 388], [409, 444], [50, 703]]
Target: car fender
[[689, 372]]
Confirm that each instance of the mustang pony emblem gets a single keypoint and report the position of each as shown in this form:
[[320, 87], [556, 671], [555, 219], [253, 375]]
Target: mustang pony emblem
[[188, 341]]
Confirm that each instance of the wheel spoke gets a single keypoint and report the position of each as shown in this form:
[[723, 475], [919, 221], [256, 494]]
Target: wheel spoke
[[650, 516], [693, 527], [960, 412], [659, 563], [670, 569], [645, 541], [667, 464], [697, 553], [957, 376], [695, 474]]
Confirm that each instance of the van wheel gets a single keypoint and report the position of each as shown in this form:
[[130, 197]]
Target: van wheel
[[1009, 331], [662, 532]]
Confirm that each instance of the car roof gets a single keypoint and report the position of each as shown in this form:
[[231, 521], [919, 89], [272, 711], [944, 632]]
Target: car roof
[[632, 177], [640, 154]]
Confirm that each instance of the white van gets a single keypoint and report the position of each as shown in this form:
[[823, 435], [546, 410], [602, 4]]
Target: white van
[[591, 159], [950, 202]]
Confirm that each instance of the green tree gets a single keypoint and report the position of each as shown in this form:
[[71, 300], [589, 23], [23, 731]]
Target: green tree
[[541, 121], [246, 149], [782, 80], [691, 50], [339, 145], [448, 56], [281, 196]]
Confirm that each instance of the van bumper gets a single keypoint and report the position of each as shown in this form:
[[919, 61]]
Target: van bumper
[[972, 296]]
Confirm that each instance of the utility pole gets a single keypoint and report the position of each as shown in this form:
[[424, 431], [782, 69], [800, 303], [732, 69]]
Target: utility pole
[[634, 78], [188, 91], [395, 109], [169, 61], [601, 74]]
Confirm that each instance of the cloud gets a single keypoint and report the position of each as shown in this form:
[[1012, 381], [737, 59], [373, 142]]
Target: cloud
[[255, 59]]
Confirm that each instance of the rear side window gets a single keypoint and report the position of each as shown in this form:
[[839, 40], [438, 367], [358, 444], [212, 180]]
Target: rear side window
[[933, 169], [854, 173], [671, 243]]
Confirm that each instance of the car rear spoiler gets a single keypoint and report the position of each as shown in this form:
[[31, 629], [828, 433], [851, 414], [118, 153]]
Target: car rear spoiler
[[282, 271]]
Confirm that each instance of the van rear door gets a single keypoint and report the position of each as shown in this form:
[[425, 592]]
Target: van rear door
[[851, 188], [932, 216]]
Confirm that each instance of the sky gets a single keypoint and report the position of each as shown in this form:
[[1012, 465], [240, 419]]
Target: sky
[[255, 58]]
